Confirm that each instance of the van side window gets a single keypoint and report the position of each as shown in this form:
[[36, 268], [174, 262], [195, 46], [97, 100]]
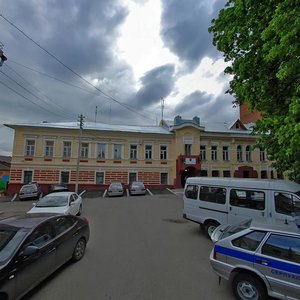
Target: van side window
[[191, 191], [247, 199], [286, 203], [213, 194], [283, 247]]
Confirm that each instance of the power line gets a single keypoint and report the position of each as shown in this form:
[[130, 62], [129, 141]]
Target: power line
[[71, 70], [51, 101], [27, 99]]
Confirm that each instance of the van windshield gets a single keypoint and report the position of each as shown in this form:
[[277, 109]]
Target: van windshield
[[232, 229]]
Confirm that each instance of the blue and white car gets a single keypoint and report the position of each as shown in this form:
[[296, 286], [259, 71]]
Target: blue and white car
[[261, 257]]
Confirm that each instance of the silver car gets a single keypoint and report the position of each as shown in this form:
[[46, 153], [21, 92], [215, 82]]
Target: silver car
[[116, 189], [261, 257], [137, 188]]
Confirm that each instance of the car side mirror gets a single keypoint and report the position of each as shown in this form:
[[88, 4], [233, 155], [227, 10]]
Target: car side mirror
[[34, 204], [28, 251]]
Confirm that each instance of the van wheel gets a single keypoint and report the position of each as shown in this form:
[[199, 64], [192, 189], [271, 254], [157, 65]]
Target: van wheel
[[210, 227], [248, 287]]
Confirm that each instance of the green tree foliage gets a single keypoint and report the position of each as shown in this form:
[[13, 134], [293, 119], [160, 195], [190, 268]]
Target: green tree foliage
[[261, 42]]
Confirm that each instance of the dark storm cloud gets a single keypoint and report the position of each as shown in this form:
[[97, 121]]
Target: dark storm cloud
[[184, 28], [156, 84], [81, 34], [207, 107]]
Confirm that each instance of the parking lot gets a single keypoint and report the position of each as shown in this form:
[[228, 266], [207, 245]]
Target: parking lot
[[140, 248]]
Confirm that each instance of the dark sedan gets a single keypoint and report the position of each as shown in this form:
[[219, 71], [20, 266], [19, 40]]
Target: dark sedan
[[32, 246]]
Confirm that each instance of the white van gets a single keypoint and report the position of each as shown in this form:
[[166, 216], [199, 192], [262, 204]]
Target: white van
[[212, 201]]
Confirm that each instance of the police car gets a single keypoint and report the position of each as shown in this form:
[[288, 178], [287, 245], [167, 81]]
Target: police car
[[261, 257]]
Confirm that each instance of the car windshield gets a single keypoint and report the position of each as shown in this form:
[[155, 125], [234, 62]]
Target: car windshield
[[232, 229], [53, 201], [10, 239]]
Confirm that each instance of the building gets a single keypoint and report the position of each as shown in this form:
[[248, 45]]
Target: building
[[162, 155]]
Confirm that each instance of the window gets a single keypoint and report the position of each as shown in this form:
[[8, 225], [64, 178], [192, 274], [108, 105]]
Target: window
[[249, 241], [191, 191], [67, 147], [213, 194], [30, 147], [262, 154], [264, 174], [187, 149], [226, 173], [49, 148], [248, 153], [203, 173], [133, 152], [101, 150], [225, 153], [163, 178], [27, 177], [286, 203], [239, 153], [62, 224], [202, 152], [84, 151], [41, 235], [214, 153], [163, 152], [99, 177], [148, 151], [132, 177], [65, 177], [215, 173], [283, 247], [247, 199], [117, 151]]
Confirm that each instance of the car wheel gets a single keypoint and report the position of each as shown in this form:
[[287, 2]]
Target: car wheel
[[248, 287], [210, 227], [79, 250], [80, 210]]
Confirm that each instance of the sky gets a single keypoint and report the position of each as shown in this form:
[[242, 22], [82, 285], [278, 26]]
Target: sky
[[113, 61]]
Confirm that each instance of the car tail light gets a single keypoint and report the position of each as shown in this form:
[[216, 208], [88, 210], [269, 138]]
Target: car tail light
[[86, 221], [215, 255]]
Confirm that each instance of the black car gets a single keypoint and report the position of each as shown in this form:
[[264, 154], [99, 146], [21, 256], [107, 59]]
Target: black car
[[32, 246]]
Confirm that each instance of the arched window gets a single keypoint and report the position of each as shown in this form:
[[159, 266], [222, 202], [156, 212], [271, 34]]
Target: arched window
[[248, 153]]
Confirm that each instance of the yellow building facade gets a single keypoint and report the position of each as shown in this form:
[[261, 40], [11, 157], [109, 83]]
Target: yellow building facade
[[165, 155]]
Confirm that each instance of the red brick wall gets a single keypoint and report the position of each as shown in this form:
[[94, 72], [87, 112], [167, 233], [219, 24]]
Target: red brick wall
[[149, 178], [15, 175], [84, 176], [116, 176], [46, 176]]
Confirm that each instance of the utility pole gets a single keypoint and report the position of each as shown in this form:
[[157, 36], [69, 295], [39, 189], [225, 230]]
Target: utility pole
[[80, 120], [96, 111]]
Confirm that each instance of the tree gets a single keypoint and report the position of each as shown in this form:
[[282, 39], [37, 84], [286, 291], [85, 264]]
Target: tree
[[261, 42]]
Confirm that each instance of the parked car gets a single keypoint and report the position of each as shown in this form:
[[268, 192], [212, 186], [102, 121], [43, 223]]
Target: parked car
[[59, 202], [30, 191], [116, 189], [33, 246], [261, 257], [137, 188], [58, 188]]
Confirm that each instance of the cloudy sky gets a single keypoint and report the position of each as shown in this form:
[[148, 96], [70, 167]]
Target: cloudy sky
[[66, 58]]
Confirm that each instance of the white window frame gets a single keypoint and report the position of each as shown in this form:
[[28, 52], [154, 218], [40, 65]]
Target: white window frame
[[148, 152], [239, 153], [50, 147], [262, 154], [60, 177], [63, 148], [121, 150], [96, 177], [225, 153], [84, 151], [161, 178], [23, 175], [30, 149], [136, 176], [102, 152], [203, 152], [131, 151], [163, 153], [248, 153], [214, 153]]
